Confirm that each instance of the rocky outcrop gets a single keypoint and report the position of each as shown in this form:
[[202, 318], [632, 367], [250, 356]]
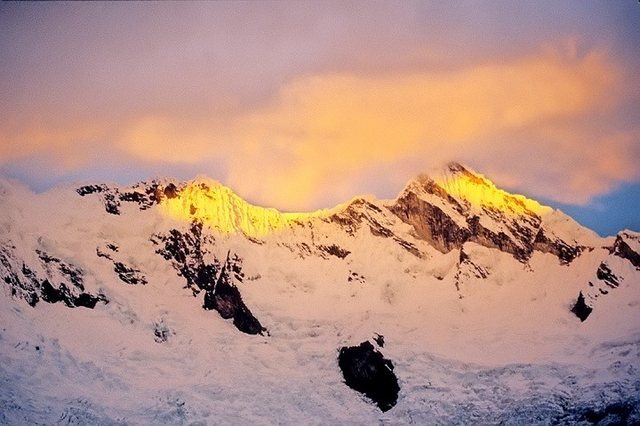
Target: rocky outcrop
[[367, 371], [225, 298], [49, 280], [62, 293], [355, 277], [465, 207], [607, 276], [563, 251], [142, 194], [170, 191], [627, 246], [334, 250], [161, 331], [623, 256], [379, 339], [468, 268], [188, 253], [351, 218], [127, 274], [92, 189], [581, 309], [604, 281], [361, 212], [518, 243], [430, 222]]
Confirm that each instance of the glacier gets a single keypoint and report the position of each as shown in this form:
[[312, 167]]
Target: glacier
[[472, 288]]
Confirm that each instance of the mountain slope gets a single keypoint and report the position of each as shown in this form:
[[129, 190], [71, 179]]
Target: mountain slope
[[188, 304]]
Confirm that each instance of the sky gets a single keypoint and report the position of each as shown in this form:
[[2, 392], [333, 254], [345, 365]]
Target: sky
[[302, 105]]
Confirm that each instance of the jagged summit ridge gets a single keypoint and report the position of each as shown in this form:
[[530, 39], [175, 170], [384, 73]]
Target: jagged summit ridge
[[465, 184], [459, 205], [445, 209], [219, 207], [438, 273]]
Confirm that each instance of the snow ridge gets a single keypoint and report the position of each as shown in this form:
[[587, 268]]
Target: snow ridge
[[179, 302]]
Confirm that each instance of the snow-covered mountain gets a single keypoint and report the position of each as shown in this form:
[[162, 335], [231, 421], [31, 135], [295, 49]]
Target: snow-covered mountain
[[179, 302]]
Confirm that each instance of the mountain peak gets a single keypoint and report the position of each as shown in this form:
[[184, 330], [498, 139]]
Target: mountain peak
[[217, 206], [475, 190]]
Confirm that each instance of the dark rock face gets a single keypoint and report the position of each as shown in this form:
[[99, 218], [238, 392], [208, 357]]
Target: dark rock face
[[607, 276], [63, 294], [367, 371], [622, 249], [444, 233], [22, 281], [51, 281], [187, 252], [379, 339], [161, 332], [517, 232], [352, 217], [523, 229], [143, 194], [559, 248], [171, 191], [227, 301], [430, 222], [127, 274], [581, 309], [72, 273], [225, 298], [91, 189], [89, 301], [54, 295], [618, 413], [361, 212], [109, 196], [335, 250], [467, 268]]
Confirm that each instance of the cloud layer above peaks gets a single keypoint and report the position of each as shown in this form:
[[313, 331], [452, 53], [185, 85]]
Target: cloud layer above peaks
[[302, 105]]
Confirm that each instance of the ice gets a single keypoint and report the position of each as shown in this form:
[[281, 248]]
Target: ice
[[502, 349]]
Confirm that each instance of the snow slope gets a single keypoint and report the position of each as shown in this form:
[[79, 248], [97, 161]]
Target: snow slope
[[475, 308]]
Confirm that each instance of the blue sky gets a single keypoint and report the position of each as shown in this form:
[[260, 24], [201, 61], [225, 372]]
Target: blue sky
[[607, 214], [301, 105]]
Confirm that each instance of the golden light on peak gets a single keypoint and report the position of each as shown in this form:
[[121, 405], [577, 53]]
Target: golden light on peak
[[480, 191], [221, 209]]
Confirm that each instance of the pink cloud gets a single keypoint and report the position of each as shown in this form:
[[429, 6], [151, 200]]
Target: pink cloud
[[526, 121]]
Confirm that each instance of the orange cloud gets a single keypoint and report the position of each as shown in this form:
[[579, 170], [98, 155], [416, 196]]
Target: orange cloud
[[337, 125], [520, 119], [18, 141], [167, 139], [570, 164]]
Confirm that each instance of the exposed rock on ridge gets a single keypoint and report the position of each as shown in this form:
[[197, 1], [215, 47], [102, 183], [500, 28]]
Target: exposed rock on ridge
[[446, 211], [462, 206], [189, 252], [609, 274], [47, 279], [627, 246]]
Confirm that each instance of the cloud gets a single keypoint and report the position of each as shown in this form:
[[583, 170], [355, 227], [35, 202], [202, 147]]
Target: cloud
[[566, 162], [532, 121], [19, 140], [165, 139], [326, 129]]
